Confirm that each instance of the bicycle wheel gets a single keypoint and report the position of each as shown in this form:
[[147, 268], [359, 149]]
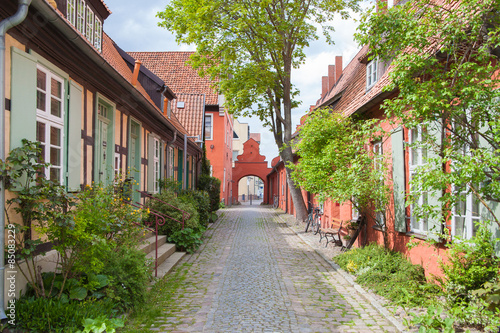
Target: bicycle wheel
[[309, 221], [316, 224]]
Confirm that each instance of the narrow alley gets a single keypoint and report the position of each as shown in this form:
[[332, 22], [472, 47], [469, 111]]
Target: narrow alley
[[254, 274]]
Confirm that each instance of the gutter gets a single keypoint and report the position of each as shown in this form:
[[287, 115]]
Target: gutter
[[10, 22]]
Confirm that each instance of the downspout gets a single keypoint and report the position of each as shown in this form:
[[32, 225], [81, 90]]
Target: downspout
[[184, 180], [10, 22]]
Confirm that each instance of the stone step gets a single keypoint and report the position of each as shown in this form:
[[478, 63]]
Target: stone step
[[149, 243], [167, 266], [164, 251]]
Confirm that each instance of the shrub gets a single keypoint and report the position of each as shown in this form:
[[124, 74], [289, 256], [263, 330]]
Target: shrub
[[212, 186], [129, 273], [471, 263], [389, 274], [56, 315], [170, 205], [201, 200], [188, 240]]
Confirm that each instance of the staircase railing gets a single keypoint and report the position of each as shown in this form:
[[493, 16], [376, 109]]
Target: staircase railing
[[159, 220]]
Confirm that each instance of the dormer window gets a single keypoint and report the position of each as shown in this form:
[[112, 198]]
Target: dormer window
[[371, 73], [86, 20]]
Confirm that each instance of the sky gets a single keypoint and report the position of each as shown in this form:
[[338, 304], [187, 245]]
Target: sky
[[133, 26]]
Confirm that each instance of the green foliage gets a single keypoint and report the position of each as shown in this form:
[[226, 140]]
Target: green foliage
[[432, 321], [101, 324], [336, 163], [442, 64], [57, 315], [188, 240], [177, 208], [212, 186], [471, 263], [129, 274], [490, 293], [389, 274]]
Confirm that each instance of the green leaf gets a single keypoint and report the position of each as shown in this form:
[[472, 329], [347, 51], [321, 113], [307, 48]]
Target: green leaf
[[78, 293]]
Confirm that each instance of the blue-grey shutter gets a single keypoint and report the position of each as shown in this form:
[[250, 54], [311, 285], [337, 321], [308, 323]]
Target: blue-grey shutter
[[435, 226], [23, 98], [398, 176], [151, 173], [74, 149]]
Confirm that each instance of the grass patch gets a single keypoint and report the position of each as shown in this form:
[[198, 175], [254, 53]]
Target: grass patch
[[159, 298], [389, 274]]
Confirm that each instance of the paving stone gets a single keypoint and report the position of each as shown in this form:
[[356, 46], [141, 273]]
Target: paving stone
[[256, 274]]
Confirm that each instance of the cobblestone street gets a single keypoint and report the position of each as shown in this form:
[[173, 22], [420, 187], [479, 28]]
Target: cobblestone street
[[255, 274]]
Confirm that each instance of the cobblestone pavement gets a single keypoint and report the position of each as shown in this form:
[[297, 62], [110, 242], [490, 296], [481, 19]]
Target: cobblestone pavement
[[254, 274]]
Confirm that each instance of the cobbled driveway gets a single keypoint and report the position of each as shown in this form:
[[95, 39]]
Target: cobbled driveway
[[254, 274]]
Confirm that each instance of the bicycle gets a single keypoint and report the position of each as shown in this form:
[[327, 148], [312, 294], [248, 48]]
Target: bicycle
[[275, 201], [314, 220]]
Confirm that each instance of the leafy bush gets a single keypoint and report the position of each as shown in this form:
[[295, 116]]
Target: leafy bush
[[169, 205], [101, 324], [201, 200], [471, 263], [389, 274], [129, 273], [212, 186], [188, 240], [57, 315]]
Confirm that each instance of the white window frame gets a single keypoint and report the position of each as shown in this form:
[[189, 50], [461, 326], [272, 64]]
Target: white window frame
[[80, 16], [416, 135], [98, 34], [372, 73], [378, 155], [171, 162], [117, 165], [211, 127], [89, 25], [156, 164], [71, 6], [467, 214], [390, 4], [50, 121]]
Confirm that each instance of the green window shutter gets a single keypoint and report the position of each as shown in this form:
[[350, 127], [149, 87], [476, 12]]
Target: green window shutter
[[151, 176], [398, 176], [180, 166], [74, 130], [435, 229], [23, 98]]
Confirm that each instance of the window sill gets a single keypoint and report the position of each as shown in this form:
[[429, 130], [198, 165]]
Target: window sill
[[417, 235]]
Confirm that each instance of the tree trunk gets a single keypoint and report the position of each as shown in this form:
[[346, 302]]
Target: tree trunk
[[296, 193]]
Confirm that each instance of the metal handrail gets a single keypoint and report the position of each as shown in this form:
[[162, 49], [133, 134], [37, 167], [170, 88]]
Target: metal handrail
[[158, 217], [185, 215]]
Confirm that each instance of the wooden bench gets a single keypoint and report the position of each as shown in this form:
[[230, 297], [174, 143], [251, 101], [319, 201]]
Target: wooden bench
[[332, 234]]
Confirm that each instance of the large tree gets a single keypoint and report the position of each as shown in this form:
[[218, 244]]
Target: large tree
[[444, 63], [249, 48]]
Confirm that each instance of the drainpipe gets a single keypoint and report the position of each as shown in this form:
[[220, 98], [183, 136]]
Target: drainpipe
[[5, 25]]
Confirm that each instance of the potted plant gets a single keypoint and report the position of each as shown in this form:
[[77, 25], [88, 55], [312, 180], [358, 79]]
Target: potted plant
[[351, 227]]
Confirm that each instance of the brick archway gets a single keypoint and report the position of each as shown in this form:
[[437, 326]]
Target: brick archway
[[251, 163]]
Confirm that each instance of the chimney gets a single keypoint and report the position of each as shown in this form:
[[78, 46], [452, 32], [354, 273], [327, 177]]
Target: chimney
[[135, 75], [324, 86], [338, 68], [331, 77]]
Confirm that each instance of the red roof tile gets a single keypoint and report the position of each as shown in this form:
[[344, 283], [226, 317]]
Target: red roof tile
[[171, 67], [191, 115]]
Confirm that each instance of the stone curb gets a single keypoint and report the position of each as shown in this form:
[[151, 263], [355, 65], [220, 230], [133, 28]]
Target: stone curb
[[349, 278]]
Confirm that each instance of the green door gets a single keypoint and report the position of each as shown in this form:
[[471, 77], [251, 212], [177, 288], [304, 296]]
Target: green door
[[135, 159]]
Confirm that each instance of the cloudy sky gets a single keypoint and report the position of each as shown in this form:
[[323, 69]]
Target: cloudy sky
[[133, 26]]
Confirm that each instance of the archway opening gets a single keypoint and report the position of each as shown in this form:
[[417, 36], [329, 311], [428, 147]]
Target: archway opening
[[250, 190]]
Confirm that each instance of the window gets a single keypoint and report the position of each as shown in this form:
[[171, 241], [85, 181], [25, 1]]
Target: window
[[80, 16], [89, 31], [371, 73], [156, 165], [171, 161], [390, 4], [418, 157], [465, 214], [71, 11], [208, 127], [50, 122], [98, 34], [117, 166]]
